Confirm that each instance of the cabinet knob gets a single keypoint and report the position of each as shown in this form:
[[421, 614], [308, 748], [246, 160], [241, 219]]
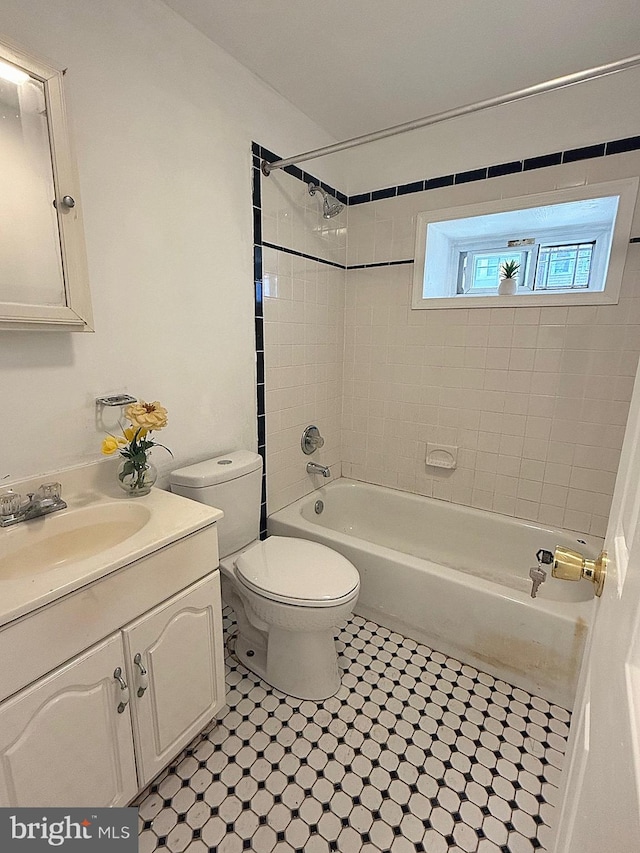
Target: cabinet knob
[[124, 695], [143, 681], [67, 202]]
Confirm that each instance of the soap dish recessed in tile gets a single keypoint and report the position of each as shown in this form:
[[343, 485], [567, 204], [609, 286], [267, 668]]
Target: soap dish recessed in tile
[[442, 456]]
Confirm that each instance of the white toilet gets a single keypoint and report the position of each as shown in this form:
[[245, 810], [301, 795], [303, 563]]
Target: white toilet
[[288, 594]]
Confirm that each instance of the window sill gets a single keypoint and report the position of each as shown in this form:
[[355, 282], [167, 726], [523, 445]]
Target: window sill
[[520, 300]]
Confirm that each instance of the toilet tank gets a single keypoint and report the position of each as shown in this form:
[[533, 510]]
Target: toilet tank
[[231, 483]]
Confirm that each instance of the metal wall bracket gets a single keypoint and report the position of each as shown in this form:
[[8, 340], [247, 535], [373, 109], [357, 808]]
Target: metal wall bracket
[[116, 400]]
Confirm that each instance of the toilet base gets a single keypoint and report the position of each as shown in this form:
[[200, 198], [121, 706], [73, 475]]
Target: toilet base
[[298, 664], [252, 655], [289, 646]]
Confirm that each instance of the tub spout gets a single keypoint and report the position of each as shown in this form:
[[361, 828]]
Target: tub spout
[[314, 468], [538, 577]]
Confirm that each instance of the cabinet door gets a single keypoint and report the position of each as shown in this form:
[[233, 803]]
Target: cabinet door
[[62, 740], [180, 646]]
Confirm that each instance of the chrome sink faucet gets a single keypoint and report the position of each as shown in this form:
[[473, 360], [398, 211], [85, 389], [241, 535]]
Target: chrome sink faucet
[[14, 508], [315, 468]]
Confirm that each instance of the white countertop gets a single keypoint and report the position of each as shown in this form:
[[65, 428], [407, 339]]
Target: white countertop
[[171, 518]]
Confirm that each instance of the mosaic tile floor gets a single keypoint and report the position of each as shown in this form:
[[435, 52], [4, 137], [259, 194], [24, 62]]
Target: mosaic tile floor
[[417, 752]]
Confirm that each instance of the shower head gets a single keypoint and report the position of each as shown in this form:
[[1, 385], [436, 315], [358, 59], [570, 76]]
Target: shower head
[[330, 206]]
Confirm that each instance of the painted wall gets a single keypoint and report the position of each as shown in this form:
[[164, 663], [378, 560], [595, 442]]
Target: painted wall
[[536, 399], [163, 122]]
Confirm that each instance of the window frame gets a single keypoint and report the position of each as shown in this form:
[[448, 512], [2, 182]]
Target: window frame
[[626, 189]]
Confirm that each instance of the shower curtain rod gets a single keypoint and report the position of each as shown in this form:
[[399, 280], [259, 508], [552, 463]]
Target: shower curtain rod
[[436, 118]]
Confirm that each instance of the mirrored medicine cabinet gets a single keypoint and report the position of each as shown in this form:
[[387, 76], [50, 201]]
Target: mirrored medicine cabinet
[[43, 269]]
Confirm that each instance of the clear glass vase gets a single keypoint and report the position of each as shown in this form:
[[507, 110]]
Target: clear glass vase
[[136, 478]]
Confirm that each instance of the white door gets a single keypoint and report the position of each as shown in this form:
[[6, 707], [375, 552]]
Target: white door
[[600, 810], [180, 648], [63, 741]]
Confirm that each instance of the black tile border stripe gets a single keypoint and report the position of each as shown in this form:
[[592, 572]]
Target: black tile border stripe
[[303, 255], [256, 196], [379, 264], [588, 152], [472, 175], [542, 162], [621, 146], [334, 263]]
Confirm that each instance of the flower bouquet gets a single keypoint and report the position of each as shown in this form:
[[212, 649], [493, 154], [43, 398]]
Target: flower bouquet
[[136, 473]]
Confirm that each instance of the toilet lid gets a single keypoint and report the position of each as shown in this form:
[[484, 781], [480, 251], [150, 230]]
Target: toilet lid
[[297, 571]]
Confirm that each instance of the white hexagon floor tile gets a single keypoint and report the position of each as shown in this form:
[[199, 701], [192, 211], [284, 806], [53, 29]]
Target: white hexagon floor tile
[[416, 753]]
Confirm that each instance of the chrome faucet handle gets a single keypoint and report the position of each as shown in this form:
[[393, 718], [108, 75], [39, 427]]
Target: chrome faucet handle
[[49, 493], [311, 440], [10, 503]]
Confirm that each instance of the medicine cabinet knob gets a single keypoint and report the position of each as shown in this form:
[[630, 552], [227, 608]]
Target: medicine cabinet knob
[[67, 201]]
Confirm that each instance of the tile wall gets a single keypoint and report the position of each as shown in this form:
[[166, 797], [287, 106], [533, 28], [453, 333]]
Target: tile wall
[[536, 399], [303, 258]]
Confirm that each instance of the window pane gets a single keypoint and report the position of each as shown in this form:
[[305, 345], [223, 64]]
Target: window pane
[[564, 267], [485, 270]]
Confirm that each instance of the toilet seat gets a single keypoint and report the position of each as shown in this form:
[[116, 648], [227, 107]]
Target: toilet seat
[[298, 572]]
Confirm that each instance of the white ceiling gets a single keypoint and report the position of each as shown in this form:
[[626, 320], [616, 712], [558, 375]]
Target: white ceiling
[[355, 66]]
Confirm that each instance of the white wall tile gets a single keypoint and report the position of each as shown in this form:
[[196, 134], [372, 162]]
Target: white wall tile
[[536, 399]]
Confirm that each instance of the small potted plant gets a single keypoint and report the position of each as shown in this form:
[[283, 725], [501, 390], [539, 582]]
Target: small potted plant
[[508, 273]]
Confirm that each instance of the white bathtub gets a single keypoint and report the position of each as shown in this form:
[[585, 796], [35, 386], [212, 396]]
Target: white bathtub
[[456, 579]]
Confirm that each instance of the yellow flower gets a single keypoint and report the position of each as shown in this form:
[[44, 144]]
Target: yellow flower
[[147, 415], [110, 444], [130, 433]]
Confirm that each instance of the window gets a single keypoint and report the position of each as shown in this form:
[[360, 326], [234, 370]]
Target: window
[[564, 267], [543, 267], [569, 245], [480, 271]]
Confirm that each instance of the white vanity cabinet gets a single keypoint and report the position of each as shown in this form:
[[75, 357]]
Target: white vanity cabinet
[[175, 674], [99, 727], [62, 740]]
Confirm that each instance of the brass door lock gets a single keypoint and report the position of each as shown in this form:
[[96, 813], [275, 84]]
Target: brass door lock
[[571, 566]]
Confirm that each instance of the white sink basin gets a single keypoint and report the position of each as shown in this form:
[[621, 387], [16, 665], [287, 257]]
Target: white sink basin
[[100, 532], [43, 544]]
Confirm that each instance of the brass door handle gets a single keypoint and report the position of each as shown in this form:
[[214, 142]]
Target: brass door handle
[[571, 566]]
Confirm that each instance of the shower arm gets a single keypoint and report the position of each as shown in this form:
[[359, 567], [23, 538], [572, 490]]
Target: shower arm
[[314, 188], [519, 95]]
